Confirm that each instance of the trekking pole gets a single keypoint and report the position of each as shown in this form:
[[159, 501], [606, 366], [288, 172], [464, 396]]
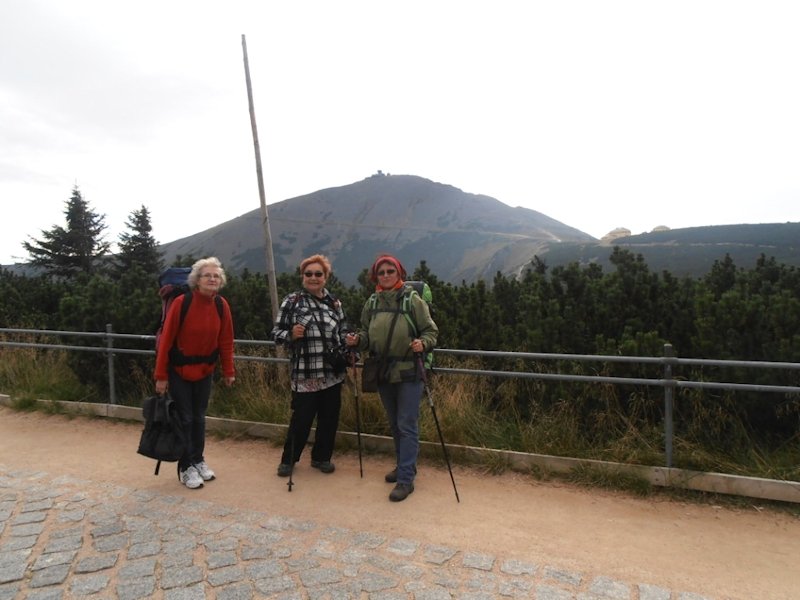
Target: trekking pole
[[358, 414], [290, 483], [421, 367]]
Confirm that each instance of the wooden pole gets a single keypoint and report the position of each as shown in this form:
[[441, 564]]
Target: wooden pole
[[271, 282]]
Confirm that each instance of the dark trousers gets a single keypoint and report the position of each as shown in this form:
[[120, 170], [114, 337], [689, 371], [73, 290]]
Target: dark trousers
[[325, 406], [192, 399]]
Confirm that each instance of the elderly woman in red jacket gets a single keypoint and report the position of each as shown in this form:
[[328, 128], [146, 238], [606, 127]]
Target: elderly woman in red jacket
[[191, 344]]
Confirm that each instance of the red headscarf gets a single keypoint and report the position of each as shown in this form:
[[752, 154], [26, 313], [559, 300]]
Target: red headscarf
[[387, 258]]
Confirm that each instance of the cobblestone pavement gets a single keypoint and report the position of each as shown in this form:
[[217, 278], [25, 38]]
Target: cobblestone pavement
[[62, 537]]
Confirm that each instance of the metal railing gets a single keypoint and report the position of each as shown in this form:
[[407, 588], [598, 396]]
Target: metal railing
[[668, 363]]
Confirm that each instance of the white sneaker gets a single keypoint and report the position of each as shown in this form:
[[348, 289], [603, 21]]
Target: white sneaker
[[205, 471], [191, 478]]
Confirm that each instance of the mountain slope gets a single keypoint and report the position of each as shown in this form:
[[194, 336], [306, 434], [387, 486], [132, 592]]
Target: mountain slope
[[461, 236]]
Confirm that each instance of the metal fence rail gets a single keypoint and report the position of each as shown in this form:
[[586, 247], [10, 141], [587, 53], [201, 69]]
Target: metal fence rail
[[668, 362]]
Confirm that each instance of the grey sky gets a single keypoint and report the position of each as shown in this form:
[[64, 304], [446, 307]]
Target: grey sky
[[598, 114]]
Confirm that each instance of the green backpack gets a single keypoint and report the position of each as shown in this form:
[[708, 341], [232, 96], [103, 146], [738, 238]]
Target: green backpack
[[424, 291]]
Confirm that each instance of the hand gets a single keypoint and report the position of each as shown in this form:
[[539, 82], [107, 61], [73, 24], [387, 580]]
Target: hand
[[351, 339], [161, 386], [417, 346], [229, 381], [298, 331]]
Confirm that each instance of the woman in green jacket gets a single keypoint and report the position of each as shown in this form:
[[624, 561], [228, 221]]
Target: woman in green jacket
[[396, 327]]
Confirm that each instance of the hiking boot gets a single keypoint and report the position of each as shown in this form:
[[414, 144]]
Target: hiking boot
[[284, 470], [191, 478], [401, 492], [205, 471], [325, 466], [391, 476]]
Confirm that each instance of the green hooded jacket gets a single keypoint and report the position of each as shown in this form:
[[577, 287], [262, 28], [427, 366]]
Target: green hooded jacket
[[376, 323]]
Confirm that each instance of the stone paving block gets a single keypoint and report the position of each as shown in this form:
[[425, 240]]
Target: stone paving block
[[485, 582], [372, 582], [98, 562], [563, 576], [263, 569], [195, 592], [517, 567], [75, 531], [320, 576], [403, 547], [515, 587], [256, 552], [71, 516], [53, 559], [140, 550], [29, 517], [549, 592], [20, 543], [73, 542], [431, 593], [691, 596], [133, 590], [56, 594], [652, 592], [9, 591], [27, 529], [111, 543], [111, 528], [175, 578], [13, 570], [225, 575], [274, 585], [88, 584], [476, 560], [138, 569], [606, 587], [438, 555], [54, 575], [239, 591], [216, 560]]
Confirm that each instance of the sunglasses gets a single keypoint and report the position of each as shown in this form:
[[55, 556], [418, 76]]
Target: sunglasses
[[313, 273], [387, 272]]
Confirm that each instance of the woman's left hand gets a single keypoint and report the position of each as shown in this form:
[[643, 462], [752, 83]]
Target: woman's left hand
[[229, 381], [417, 346]]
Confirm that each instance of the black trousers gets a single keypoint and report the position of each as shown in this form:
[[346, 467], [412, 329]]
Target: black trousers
[[192, 399], [323, 405]]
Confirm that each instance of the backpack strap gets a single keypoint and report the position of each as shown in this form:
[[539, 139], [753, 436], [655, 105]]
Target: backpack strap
[[176, 357]]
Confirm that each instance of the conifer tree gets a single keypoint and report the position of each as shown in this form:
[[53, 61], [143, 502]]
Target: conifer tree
[[137, 247], [65, 252]]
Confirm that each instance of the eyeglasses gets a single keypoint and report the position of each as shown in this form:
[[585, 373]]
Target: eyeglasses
[[313, 273], [387, 272], [211, 276]]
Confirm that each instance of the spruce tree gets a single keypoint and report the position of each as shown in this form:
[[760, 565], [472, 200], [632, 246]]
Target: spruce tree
[[137, 247], [78, 248]]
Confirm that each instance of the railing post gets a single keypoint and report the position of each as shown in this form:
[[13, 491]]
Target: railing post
[[112, 393], [668, 404]]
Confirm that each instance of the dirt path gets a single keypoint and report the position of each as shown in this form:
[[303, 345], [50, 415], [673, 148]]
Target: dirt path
[[722, 552]]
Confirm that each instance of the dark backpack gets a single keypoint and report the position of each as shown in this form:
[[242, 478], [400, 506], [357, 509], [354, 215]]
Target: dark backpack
[[163, 437], [174, 282], [424, 292]]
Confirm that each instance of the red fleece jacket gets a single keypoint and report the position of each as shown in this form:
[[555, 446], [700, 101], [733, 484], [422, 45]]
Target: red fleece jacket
[[202, 332]]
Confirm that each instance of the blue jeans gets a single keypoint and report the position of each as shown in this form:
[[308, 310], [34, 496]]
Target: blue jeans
[[192, 399], [401, 401]]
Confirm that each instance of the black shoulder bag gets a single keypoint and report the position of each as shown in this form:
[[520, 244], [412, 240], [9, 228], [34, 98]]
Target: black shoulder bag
[[335, 357]]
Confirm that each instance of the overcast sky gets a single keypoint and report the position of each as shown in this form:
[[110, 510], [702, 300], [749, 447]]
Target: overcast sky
[[598, 114]]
